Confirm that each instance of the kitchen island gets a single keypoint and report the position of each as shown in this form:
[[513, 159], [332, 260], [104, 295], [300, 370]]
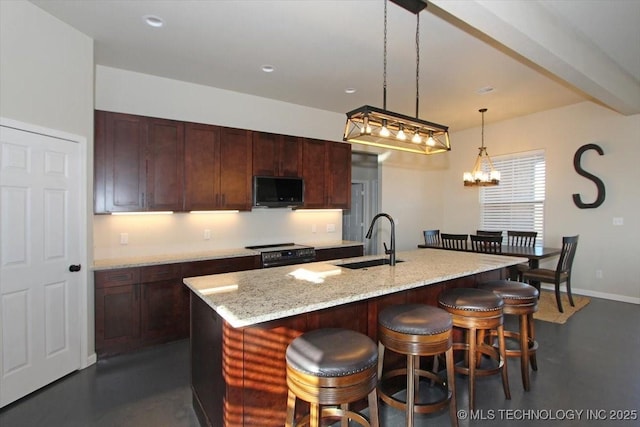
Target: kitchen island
[[241, 323]]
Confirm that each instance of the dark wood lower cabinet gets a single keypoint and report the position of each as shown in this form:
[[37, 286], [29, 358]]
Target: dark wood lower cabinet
[[339, 253], [141, 306], [239, 374]]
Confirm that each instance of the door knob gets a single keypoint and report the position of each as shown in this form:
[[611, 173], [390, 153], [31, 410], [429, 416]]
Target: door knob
[[74, 267]]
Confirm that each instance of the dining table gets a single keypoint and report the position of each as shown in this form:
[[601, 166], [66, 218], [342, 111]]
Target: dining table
[[533, 254]]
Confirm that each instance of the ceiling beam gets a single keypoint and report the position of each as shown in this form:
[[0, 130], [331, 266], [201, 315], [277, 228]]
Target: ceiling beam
[[533, 31]]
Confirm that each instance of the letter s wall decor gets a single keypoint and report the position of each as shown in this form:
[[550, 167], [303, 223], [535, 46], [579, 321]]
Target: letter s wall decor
[[599, 184]]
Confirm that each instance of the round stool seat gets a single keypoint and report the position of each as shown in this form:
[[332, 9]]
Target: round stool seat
[[332, 352], [512, 292], [332, 366], [471, 300], [416, 319]]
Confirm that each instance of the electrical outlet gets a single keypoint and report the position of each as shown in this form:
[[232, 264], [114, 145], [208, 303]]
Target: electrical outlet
[[331, 228], [206, 234], [124, 238], [314, 229], [598, 274], [618, 220]]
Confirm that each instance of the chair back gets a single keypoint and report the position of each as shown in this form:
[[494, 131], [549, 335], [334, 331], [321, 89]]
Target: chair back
[[488, 233], [486, 244], [565, 262], [457, 242], [522, 238], [431, 237]]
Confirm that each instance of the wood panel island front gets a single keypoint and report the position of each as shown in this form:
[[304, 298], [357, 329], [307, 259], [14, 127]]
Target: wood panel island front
[[241, 323]]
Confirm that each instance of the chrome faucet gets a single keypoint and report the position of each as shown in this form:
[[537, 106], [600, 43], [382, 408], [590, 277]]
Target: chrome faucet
[[388, 251]]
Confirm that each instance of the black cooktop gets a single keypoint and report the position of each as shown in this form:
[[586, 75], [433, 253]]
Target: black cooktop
[[277, 247]]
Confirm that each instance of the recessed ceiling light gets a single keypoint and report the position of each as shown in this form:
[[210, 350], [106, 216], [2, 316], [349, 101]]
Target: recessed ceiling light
[[484, 90], [268, 68], [153, 21], [350, 90]]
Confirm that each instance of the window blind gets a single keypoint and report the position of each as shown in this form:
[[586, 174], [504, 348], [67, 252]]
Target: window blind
[[517, 203]]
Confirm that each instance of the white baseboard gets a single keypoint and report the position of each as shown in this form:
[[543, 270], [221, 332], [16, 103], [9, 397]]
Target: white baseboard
[[91, 359], [595, 294]]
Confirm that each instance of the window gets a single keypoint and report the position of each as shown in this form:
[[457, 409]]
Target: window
[[517, 203]]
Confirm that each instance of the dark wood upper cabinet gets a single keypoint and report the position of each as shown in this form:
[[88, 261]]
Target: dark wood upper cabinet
[[201, 154], [217, 168], [276, 155], [314, 159], [235, 169], [138, 163], [326, 167], [165, 165], [339, 175]]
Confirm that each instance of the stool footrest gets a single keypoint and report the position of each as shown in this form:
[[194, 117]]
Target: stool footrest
[[421, 408], [483, 349]]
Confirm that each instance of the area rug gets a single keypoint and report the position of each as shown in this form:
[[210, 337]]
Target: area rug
[[548, 309]]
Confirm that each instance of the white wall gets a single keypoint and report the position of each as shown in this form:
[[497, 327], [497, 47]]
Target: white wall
[[46, 79], [613, 249]]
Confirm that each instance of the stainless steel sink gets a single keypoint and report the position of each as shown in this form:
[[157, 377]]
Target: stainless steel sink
[[369, 263]]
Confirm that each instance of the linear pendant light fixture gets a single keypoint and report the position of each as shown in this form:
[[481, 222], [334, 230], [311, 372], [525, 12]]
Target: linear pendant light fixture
[[380, 127], [479, 177]]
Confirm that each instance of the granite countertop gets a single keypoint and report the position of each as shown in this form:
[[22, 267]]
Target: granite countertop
[[140, 261], [250, 297]]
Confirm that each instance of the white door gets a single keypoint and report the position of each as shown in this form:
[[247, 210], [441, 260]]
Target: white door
[[39, 295]]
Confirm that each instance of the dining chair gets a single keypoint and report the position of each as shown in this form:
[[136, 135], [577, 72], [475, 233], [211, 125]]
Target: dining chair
[[431, 237], [457, 242], [486, 244], [488, 233], [521, 238], [561, 274]]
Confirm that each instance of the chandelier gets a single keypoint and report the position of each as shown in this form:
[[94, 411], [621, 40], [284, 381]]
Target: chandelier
[[380, 127], [479, 176]]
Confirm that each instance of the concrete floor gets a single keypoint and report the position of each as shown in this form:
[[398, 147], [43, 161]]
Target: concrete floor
[[587, 368]]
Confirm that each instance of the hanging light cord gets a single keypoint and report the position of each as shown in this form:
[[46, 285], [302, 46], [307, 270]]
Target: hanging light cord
[[384, 73], [417, 63]]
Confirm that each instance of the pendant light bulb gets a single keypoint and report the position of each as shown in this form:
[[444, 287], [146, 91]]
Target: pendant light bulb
[[384, 132], [401, 135], [430, 141], [416, 138]]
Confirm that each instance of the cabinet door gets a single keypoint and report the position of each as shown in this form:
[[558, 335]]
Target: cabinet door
[[164, 304], [201, 154], [165, 165], [339, 175], [235, 169], [117, 310], [119, 162], [265, 147], [117, 314], [313, 170], [290, 156]]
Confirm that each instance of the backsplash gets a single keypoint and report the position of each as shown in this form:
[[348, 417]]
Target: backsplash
[[196, 232]]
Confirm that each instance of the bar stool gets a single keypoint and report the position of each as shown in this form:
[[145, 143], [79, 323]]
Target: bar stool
[[477, 310], [332, 366], [416, 330], [520, 299]]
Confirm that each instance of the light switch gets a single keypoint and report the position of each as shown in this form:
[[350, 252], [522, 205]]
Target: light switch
[[207, 234], [331, 228], [124, 238]]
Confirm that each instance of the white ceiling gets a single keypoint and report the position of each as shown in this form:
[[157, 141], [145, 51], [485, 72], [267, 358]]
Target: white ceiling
[[536, 55]]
